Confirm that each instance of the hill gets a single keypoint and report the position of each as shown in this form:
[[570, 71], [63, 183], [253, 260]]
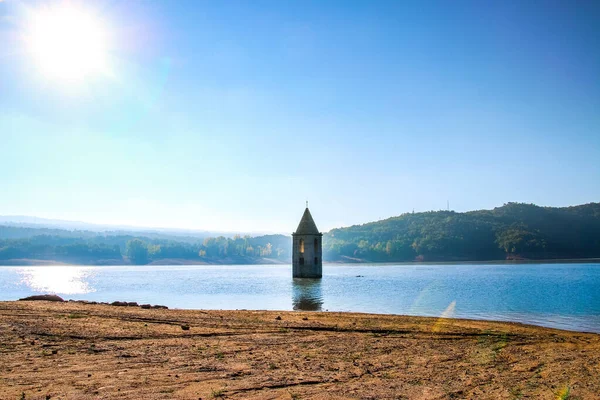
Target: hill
[[513, 231]]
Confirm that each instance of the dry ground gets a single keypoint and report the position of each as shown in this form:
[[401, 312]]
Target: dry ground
[[77, 351]]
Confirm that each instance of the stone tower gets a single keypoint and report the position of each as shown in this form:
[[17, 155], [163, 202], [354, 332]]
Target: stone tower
[[307, 252]]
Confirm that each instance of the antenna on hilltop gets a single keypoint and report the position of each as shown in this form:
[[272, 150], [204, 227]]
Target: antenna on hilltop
[[306, 203], [447, 205]]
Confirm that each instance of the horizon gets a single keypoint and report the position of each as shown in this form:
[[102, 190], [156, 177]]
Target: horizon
[[181, 231], [229, 116]]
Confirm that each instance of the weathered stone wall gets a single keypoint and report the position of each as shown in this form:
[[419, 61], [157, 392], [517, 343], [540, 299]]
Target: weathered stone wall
[[310, 269]]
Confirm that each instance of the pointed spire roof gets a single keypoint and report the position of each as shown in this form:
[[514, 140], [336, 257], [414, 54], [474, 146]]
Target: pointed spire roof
[[307, 225]]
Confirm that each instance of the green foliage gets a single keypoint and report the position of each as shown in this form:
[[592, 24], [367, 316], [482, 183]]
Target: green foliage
[[53, 247], [564, 393], [511, 231], [137, 251], [19, 243]]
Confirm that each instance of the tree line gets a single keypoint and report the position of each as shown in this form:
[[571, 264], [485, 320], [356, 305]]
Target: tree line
[[512, 231], [237, 249], [138, 249]]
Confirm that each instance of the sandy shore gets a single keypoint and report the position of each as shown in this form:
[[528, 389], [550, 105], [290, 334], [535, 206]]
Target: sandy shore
[[77, 351]]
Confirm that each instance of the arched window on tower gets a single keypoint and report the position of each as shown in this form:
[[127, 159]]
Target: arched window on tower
[[301, 245], [316, 245]]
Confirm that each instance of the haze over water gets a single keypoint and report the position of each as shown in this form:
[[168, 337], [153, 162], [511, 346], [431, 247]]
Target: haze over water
[[565, 296]]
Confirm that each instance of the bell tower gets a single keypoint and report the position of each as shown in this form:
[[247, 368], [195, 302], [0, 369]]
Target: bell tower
[[307, 252]]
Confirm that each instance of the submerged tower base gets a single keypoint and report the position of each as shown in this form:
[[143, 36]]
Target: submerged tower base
[[307, 252]]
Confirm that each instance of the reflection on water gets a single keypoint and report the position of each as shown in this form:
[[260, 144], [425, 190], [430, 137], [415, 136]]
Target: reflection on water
[[555, 295], [307, 294], [59, 280]]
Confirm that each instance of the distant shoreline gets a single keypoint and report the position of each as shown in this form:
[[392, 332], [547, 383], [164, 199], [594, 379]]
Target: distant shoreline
[[24, 262], [490, 262], [119, 262]]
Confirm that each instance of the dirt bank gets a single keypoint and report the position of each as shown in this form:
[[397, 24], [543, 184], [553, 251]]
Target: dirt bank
[[78, 351]]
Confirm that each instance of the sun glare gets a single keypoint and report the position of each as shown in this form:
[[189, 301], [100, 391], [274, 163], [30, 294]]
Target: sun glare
[[67, 42]]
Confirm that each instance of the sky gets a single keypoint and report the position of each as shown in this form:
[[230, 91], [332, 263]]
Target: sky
[[229, 115]]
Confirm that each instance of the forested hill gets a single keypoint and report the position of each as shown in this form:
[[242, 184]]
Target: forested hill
[[513, 231], [28, 245]]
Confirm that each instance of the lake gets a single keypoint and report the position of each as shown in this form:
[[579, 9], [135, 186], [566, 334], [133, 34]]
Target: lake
[[565, 296]]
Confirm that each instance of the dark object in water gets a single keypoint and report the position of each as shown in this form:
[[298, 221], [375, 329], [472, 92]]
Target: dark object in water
[[45, 297]]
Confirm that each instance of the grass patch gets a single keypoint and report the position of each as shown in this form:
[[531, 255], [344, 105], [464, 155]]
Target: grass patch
[[564, 393]]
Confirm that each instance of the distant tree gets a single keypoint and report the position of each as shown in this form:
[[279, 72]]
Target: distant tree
[[523, 230], [154, 251], [389, 248], [268, 250], [137, 251], [518, 240]]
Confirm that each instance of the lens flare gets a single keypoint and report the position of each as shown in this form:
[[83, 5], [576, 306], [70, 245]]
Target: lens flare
[[443, 320], [67, 42]]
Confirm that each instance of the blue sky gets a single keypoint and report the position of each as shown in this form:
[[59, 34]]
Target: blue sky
[[229, 115]]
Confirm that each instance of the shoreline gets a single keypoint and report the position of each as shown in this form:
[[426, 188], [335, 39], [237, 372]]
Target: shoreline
[[77, 350], [26, 262], [274, 262], [121, 303]]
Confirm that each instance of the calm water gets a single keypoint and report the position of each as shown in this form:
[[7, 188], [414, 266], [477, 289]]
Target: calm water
[[564, 296]]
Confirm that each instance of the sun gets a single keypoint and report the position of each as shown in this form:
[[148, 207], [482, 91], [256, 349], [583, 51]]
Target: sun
[[67, 42]]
